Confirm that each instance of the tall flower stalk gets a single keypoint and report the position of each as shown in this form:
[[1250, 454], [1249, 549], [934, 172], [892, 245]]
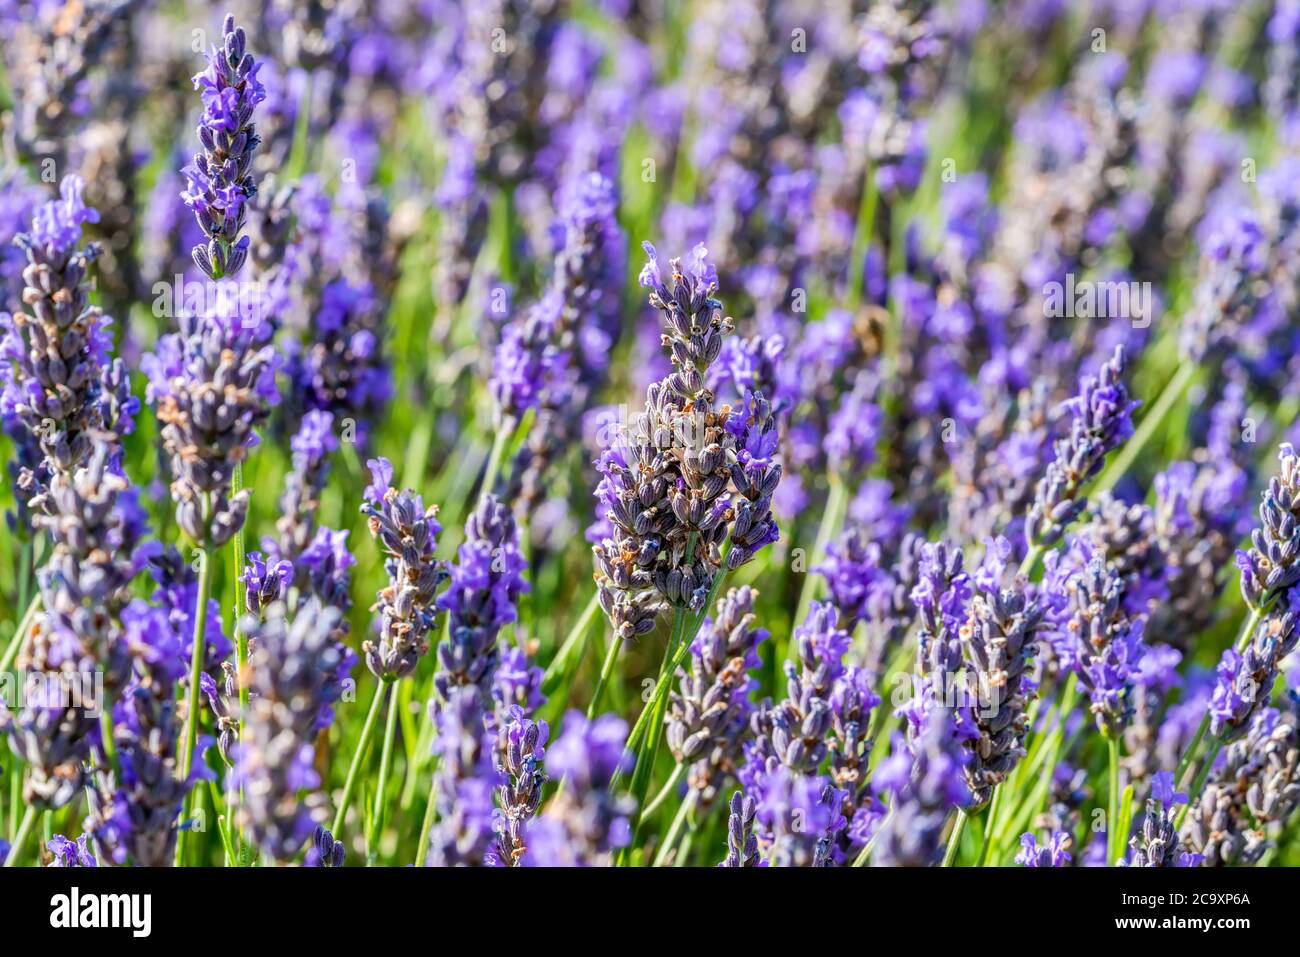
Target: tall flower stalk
[[213, 382]]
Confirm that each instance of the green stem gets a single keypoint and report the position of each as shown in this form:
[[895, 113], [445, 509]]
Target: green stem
[[573, 648], [385, 761], [665, 792], [20, 839], [605, 670], [106, 731], [862, 231], [218, 801], [994, 806], [24, 574], [426, 825], [660, 695], [1198, 785], [954, 839], [674, 829], [350, 784], [199, 643], [645, 757], [15, 646], [241, 640], [1129, 452], [499, 443], [1114, 838], [15, 796]]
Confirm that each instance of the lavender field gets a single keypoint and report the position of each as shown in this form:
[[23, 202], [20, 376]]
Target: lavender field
[[650, 433]]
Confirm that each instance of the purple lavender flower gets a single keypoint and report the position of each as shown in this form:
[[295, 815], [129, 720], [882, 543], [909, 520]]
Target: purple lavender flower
[[1234, 261], [264, 583], [293, 664], [742, 845], [52, 734], [96, 528], [463, 836], [525, 360], [177, 594], [211, 385], [1001, 640], [1199, 513], [219, 181], [1096, 636], [517, 682], [942, 592], [633, 494], [793, 733], [407, 533], [311, 447], [579, 318], [1246, 677], [486, 582], [585, 823], [56, 355], [855, 576], [1101, 419], [682, 469], [925, 782], [1157, 844], [755, 475], [1254, 786], [853, 698], [1055, 853], [798, 819], [709, 712], [324, 851], [71, 853], [1272, 564], [520, 751], [133, 815]]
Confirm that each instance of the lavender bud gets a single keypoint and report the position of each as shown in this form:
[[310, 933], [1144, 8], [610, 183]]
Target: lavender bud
[[293, 664], [742, 845], [709, 712], [1272, 564], [219, 181], [407, 533], [481, 599], [1101, 419]]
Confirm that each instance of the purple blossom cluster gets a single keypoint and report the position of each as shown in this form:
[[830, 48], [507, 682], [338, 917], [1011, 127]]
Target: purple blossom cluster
[[928, 557]]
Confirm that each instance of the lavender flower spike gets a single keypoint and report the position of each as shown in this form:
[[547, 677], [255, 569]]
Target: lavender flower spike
[[926, 781], [59, 347], [485, 586], [709, 713], [1055, 853], [1099, 639], [407, 532], [1257, 784], [521, 748], [585, 823], [463, 836], [293, 665], [1101, 419], [1272, 564], [219, 182], [1001, 640], [211, 386], [742, 846]]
